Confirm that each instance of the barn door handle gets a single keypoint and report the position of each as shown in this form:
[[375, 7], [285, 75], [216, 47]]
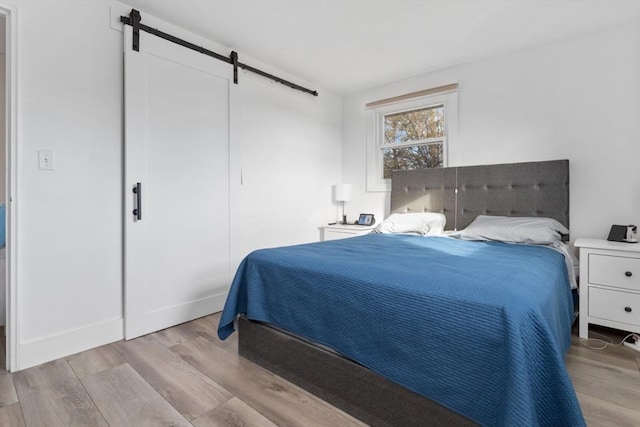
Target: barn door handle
[[137, 190]]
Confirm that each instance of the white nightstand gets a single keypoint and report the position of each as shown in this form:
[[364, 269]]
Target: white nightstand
[[609, 285], [340, 231]]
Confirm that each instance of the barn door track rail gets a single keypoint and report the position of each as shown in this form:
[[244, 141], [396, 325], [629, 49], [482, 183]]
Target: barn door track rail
[[135, 20]]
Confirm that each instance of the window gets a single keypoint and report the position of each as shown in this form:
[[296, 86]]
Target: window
[[411, 134], [413, 139]]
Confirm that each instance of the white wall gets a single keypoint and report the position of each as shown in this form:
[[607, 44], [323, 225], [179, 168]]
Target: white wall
[[577, 99], [290, 160], [70, 220]]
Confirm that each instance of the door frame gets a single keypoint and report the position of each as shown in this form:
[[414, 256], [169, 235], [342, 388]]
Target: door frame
[[11, 193]]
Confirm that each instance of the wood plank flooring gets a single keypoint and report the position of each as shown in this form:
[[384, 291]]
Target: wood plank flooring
[[185, 376]]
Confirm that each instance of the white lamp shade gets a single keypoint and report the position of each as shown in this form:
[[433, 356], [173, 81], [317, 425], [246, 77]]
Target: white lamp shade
[[343, 192]]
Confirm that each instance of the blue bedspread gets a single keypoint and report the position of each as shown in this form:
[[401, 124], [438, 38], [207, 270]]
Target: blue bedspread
[[480, 327]]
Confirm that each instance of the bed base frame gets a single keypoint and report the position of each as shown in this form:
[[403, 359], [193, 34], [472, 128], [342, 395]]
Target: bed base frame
[[339, 381]]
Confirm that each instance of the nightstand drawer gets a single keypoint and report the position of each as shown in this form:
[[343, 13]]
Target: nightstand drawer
[[622, 272], [338, 234], [623, 307], [343, 231]]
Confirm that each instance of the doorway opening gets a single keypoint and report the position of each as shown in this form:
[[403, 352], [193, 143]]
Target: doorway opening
[[3, 198], [7, 171]]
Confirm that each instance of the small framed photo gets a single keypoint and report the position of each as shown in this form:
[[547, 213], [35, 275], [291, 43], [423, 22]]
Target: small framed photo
[[366, 219]]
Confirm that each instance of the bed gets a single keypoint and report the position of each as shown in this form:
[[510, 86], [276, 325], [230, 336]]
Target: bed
[[481, 342]]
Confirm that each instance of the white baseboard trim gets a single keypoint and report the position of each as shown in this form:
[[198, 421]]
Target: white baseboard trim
[[42, 350], [144, 323]]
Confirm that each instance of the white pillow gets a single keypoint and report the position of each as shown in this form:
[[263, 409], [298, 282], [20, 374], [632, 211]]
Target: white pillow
[[533, 230], [424, 224]]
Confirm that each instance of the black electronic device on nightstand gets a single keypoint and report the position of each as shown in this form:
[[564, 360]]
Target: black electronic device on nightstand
[[622, 233], [366, 219]]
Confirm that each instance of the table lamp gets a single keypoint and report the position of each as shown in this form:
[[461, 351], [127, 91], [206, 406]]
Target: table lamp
[[343, 194]]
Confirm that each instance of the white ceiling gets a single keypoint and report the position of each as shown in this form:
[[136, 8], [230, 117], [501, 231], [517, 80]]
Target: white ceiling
[[351, 45]]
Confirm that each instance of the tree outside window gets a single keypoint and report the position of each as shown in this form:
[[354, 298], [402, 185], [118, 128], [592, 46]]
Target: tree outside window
[[413, 139]]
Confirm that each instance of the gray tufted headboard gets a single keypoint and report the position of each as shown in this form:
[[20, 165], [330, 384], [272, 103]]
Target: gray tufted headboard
[[462, 193]]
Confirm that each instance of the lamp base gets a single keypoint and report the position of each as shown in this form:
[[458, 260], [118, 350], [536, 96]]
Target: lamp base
[[344, 219]]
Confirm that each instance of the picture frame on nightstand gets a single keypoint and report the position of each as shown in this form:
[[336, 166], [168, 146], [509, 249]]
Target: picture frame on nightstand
[[366, 219]]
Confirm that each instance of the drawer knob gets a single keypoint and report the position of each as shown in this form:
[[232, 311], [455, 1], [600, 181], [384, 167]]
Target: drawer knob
[[627, 309], [628, 273]]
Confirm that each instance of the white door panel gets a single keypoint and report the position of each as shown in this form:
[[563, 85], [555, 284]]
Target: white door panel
[[177, 146]]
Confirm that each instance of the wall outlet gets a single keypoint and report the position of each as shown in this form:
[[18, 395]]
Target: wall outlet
[[45, 160]]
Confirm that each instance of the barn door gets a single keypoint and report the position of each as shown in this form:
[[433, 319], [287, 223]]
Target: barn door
[[176, 184]]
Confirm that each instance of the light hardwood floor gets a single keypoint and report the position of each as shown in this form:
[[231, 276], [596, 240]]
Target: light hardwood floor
[[185, 376]]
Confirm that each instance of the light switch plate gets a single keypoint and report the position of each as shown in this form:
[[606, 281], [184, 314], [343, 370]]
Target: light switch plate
[[45, 160]]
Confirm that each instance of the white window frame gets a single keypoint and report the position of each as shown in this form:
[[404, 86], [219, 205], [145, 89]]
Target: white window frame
[[375, 134]]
